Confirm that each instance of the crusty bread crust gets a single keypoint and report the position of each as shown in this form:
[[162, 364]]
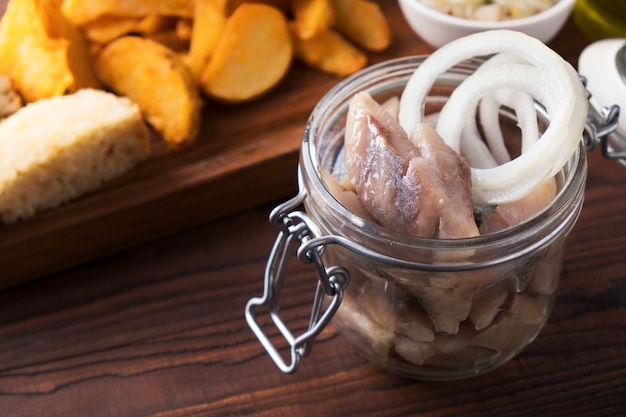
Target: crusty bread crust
[[56, 149]]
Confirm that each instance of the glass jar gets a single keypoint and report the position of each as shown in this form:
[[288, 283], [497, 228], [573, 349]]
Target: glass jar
[[423, 308], [601, 19]]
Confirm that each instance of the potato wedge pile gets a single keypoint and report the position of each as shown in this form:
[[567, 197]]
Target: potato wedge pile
[[168, 56]]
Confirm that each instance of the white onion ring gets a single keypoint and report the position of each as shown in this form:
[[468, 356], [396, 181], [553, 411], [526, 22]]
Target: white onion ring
[[549, 78], [522, 104], [478, 44], [474, 149], [525, 112], [520, 175], [489, 116]]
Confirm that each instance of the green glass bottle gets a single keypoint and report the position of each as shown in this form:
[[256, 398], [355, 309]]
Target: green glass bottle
[[601, 19]]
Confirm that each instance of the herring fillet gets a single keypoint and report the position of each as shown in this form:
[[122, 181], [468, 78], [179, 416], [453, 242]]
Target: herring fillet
[[417, 185]]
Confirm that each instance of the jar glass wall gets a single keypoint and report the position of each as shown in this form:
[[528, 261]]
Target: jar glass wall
[[434, 308]]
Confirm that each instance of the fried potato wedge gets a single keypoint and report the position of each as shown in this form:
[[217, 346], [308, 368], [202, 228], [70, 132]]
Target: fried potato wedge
[[362, 22], [77, 54], [329, 52], [105, 28], [152, 76], [79, 12], [254, 53], [171, 39], [42, 52], [282, 5], [209, 20], [155, 23], [312, 17], [184, 28]]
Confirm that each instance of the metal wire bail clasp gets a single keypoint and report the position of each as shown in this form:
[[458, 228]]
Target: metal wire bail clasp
[[296, 229], [600, 124]]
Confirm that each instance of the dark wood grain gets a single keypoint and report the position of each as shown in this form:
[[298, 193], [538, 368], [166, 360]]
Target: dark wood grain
[[158, 330]]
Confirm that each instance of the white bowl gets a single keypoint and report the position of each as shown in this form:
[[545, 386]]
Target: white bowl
[[437, 28]]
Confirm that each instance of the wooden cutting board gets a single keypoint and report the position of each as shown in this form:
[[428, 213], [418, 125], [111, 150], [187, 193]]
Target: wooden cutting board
[[246, 156]]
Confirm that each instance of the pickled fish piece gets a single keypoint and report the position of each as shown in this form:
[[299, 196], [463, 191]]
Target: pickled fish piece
[[478, 358], [505, 336], [453, 343], [412, 351], [531, 309], [392, 105], [512, 213], [519, 324], [447, 307], [346, 197], [547, 271], [416, 326], [487, 305], [372, 328], [416, 185]]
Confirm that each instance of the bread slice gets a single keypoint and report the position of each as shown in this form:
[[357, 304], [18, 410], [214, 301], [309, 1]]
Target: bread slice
[[56, 149]]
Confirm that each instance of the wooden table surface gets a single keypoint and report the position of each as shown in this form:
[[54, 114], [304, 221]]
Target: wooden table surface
[[159, 330]]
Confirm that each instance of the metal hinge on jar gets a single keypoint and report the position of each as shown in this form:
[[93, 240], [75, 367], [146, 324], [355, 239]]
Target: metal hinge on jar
[[601, 124], [296, 228]]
